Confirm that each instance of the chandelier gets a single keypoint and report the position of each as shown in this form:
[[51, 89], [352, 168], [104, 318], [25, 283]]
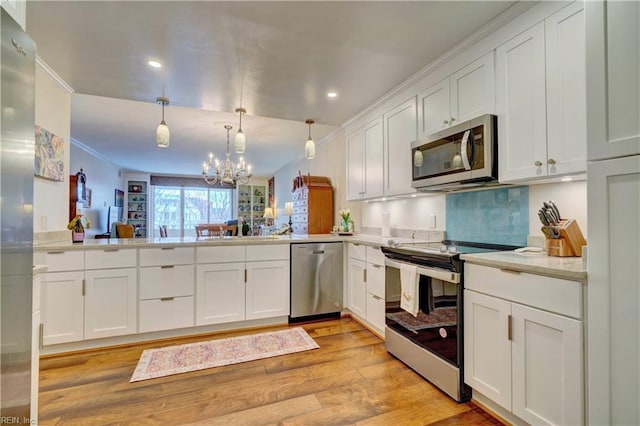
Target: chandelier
[[225, 172]]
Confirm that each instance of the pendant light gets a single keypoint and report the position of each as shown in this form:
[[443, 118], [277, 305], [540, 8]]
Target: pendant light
[[310, 146], [162, 133], [240, 143]]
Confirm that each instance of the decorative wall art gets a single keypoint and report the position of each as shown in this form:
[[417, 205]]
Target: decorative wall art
[[118, 199], [49, 155], [271, 191]]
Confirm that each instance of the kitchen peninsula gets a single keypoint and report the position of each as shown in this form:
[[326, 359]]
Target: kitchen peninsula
[[106, 292]]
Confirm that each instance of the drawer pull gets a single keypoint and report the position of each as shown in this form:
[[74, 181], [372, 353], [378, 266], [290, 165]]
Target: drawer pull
[[167, 248], [509, 331], [510, 271], [376, 266], [113, 249], [167, 266], [318, 252], [56, 252], [166, 299], [376, 297]]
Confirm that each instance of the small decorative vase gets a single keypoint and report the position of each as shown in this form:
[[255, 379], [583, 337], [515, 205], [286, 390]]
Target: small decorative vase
[[77, 237], [344, 225]]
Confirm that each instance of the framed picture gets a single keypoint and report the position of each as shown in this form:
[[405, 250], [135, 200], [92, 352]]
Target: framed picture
[[118, 199], [271, 191], [49, 155]]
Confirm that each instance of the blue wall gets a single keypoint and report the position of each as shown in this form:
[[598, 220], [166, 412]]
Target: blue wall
[[497, 216]]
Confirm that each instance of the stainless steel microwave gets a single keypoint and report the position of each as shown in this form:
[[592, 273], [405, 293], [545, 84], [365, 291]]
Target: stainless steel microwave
[[459, 157]]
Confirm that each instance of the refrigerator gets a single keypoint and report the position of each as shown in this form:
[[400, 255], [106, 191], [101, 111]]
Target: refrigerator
[[17, 134], [613, 199]]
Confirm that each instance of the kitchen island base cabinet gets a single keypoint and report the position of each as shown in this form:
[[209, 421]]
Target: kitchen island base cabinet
[[110, 303], [62, 307], [528, 361], [267, 291], [221, 293]]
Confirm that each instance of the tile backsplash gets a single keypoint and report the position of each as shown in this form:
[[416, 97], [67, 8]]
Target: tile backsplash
[[497, 216]]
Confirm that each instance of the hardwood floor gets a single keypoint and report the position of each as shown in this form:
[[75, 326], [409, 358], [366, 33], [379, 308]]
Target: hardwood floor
[[351, 379]]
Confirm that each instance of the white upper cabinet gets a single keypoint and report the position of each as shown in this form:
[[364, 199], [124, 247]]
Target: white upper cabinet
[[521, 106], [466, 94], [17, 9], [613, 78], [540, 99], [400, 129], [566, 91], [365, 162]]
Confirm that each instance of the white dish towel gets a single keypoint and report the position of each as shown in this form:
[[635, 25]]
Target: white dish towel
[[409, 289]]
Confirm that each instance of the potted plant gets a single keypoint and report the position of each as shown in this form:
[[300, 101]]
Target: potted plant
[[77, 225]]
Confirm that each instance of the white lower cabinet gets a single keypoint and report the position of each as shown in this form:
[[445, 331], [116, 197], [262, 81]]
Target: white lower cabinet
[[357, 287], [62, 307], [165, 298], [110, 303], [221, 293], [238, 283], [526, 359], [267, 291], [365, 285]]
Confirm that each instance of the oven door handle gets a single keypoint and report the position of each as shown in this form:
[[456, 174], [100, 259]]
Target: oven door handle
[[441, 274]]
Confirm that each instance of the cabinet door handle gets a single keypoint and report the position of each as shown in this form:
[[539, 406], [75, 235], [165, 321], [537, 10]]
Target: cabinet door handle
[[509, 327], [364, 275], [318, 252], [538, 164], [55, 252], [167, 266], [376, 266], [41, 335], [245, 275], [551, 161], [445, 122], [510, 271], [452, 120], [113, 249], [167, 248], [83, 287], [376, 297], [166, 299]]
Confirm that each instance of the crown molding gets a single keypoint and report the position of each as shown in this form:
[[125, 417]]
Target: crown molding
[[91, 151], [42, 66]]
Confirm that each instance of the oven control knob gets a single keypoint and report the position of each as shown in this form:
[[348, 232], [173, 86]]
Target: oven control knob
[[443, 332]]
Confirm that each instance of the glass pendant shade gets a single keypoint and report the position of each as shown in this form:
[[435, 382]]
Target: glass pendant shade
[[162, 135], [240, 143], [309, 146], [162, 132], [310, 149]]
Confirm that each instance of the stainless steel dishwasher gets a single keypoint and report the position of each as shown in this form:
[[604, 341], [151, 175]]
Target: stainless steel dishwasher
[[316, 281]]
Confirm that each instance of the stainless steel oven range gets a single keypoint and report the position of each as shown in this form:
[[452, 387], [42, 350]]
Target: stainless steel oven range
[[428, 335]]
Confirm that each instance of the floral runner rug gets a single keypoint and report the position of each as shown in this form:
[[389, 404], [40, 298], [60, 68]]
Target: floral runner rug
[[214, 353]]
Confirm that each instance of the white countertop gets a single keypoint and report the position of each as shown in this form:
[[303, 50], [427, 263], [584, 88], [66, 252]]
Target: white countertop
[[570, 268], [133, 243]]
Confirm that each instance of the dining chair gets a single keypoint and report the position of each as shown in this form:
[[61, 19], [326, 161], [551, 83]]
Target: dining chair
[[211, 230], [124, 231]]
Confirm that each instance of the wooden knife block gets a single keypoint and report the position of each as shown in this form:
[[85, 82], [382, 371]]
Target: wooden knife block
[[570, 242]]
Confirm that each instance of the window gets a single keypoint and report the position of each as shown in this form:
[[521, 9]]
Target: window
[[181, 208]]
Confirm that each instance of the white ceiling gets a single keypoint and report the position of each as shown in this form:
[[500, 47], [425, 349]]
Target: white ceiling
[[276, 59]]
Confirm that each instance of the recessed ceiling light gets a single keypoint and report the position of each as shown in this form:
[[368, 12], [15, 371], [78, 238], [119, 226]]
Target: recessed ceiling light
[[155, 64], [567, 179], [332, 94]]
